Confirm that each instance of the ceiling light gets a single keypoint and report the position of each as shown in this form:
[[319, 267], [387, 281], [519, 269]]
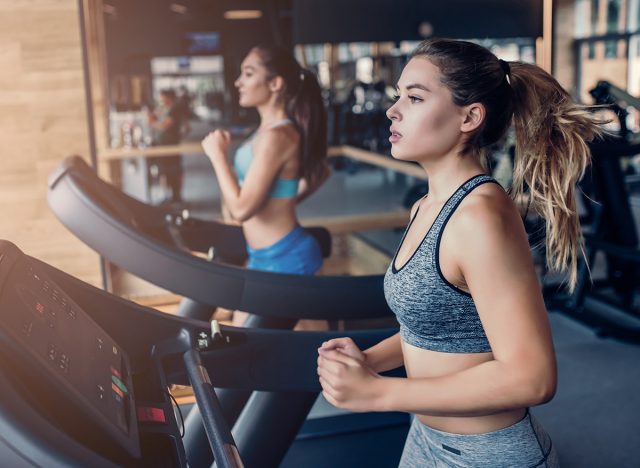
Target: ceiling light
[[242, 14], [178, 8]]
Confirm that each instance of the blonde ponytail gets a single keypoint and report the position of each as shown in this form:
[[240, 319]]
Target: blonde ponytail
[[552, 155]]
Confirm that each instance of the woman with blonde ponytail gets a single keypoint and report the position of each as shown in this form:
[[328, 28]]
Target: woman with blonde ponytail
[[283, 162], [474, 334]]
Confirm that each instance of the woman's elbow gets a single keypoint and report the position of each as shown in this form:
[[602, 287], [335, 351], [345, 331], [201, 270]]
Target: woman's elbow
[[548, 389], [241, 211], [542, 387], [239, 214]]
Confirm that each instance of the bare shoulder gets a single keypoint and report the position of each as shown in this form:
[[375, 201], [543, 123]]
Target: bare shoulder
[[485, 237], [278, 140], [487, 214]]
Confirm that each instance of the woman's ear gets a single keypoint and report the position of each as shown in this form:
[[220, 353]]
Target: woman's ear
[[473, 116], [276, 84]]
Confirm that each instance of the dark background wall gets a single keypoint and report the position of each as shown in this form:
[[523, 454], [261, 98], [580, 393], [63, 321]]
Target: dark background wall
[[141, 29], [395, 20]]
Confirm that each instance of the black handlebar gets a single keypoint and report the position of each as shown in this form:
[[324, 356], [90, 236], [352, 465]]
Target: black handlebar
[[222, 444]]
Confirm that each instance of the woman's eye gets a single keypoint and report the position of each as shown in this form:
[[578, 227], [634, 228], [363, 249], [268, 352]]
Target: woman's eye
[[414, 99], [395, 97]]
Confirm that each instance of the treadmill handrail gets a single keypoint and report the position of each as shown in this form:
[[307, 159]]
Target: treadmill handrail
[[216, 284], [220, 439]]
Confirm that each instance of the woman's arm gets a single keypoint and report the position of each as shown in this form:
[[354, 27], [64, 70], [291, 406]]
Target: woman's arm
[[384, 356], [269, 155], [494, 259]]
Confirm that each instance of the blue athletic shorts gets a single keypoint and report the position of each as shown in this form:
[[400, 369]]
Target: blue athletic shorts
[[524, 444], [298, 253]]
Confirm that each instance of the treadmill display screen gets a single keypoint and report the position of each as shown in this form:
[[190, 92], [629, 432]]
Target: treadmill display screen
[[71, 352]]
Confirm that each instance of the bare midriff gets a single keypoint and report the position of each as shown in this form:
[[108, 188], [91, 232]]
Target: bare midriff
[[423, 363], [276, 219]]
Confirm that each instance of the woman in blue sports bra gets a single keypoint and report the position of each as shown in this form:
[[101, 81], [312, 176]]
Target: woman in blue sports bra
[[283, 162], [474, 333]]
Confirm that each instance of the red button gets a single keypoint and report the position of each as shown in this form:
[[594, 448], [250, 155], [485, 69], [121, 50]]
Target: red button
[[115, 372], [149, 414]]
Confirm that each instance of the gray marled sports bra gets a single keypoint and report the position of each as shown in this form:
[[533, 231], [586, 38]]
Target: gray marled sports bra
[[433, 313]]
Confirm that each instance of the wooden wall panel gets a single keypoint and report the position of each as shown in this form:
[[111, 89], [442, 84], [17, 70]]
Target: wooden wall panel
[[42, 120]]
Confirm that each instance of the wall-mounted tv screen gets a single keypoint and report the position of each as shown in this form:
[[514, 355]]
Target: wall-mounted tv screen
[[203, 42]]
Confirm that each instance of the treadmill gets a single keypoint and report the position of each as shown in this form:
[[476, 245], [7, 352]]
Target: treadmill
[[157, 246], [84, 376]]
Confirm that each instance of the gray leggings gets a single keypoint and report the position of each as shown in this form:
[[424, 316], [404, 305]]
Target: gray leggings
[[524, 444]]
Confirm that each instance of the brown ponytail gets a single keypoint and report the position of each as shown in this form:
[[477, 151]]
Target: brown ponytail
[[304, 106]]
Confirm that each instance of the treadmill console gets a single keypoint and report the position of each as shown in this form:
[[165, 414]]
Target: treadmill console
[[59, 346]]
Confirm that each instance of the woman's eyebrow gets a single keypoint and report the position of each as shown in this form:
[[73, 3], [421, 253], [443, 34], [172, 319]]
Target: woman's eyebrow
[[417, 86], [413, 86]]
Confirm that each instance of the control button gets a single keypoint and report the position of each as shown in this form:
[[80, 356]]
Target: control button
[[52, 352], [202, 341], [117, 393], [27, 328], [40, 308], [63, 363], [115, 372], [116, 390], [147, 414], [100, 392], [116, 381]]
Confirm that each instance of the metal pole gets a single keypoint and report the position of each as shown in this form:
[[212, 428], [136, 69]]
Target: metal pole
[[90, 117]]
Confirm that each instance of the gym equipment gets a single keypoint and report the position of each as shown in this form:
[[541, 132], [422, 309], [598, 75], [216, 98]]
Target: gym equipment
[[84, 374], [157, 246], [608, 94]]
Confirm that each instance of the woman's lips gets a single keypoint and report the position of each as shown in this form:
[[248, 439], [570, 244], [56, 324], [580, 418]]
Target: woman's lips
[[395, 136]]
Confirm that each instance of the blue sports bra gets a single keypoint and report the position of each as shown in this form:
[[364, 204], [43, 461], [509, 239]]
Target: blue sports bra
[[282, 188], [433, 313]]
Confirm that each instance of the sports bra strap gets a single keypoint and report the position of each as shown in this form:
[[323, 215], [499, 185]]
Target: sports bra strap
[[280, 123]]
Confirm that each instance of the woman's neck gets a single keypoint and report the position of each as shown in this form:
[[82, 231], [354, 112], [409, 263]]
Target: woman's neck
[[270, 114], [448, 173]]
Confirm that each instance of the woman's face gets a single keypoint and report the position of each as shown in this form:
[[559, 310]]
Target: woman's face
[[425, 123], [252, 84]]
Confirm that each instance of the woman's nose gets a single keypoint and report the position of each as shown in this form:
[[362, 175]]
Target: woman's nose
[[392, 113]]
